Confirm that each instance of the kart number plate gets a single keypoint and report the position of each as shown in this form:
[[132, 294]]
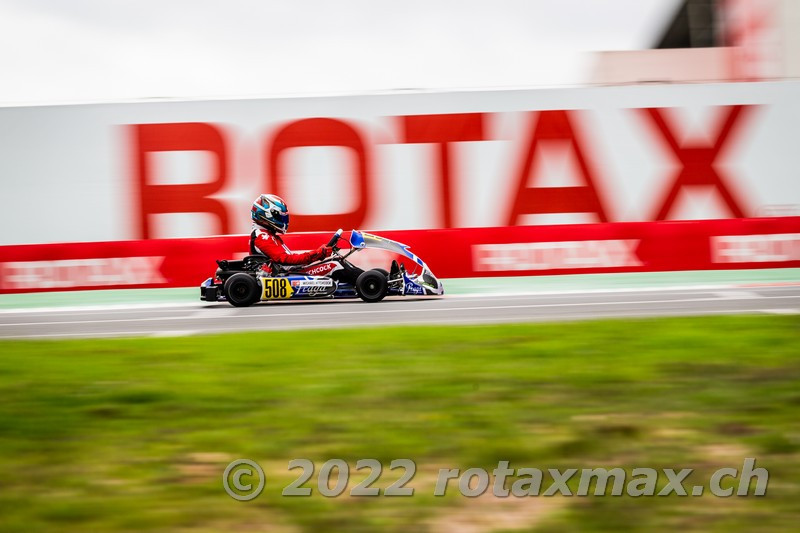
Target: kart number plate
[[276, 289]]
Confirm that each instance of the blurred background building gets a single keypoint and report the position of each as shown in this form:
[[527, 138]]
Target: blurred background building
[[87, 50], [713, 40]]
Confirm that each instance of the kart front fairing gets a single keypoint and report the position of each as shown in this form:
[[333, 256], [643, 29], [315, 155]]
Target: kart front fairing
[[421, 282]]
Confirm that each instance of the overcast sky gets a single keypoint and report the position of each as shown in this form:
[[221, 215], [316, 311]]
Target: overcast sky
[[90, 50]]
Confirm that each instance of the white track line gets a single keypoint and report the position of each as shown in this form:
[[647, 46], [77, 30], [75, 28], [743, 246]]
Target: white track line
[[119, 334], [498, 295], [477, 321], [107, 307], [168, 307], [380, 311], [618, 290]]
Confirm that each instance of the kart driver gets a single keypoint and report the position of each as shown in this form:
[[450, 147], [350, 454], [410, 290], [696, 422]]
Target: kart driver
[[271, 218]]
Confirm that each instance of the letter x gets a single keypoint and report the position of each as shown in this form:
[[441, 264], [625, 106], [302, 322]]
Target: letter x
[[698, 161], [675, 482], [560, 480]]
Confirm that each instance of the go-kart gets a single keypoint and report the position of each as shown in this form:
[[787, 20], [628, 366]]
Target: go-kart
[[255, 278]]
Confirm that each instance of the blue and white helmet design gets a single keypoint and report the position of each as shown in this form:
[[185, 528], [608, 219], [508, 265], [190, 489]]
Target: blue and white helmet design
[[270, 211]]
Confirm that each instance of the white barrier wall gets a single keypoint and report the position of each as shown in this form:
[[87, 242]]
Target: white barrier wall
[[403, 161]]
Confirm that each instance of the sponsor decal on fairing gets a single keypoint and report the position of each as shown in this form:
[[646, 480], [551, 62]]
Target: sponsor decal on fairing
[[411, 287], [313, 287], [322, 269]]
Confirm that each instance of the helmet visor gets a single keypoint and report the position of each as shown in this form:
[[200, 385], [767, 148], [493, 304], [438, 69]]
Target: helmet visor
[[280, 220]]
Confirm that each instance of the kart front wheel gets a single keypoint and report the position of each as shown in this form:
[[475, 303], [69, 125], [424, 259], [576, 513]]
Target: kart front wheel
[[371, 286], [242, 290]]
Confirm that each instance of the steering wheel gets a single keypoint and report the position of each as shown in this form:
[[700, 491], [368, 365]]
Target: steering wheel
[[335, 239]]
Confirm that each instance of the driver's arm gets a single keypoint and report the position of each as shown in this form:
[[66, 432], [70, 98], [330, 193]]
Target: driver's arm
[[270, 247]]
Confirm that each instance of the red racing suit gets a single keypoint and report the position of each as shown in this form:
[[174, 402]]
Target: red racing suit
[[270, 244]]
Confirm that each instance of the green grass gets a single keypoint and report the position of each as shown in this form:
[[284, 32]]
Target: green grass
[[133, 435]]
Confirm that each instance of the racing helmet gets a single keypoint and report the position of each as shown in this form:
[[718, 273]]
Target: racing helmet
[[270, 211]]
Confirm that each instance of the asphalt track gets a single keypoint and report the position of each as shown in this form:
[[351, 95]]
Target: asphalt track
[[194, 318]]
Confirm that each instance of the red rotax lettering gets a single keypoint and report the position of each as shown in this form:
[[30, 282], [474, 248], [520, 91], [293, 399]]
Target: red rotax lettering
[[555, 125], [320, 132], [698, 161], [184, 198], [444, 130]]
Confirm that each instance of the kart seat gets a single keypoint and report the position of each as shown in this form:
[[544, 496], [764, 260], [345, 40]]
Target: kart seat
[[249, 263]]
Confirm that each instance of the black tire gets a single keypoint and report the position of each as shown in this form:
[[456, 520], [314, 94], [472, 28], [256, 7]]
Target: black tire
[[242, 290], [382, 271], [372, 286]]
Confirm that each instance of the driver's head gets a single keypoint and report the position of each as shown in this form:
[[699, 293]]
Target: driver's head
[[270, 212]]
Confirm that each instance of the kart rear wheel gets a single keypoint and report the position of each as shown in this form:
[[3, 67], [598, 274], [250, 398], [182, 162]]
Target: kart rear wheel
[[372, 286], [242, 290]]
